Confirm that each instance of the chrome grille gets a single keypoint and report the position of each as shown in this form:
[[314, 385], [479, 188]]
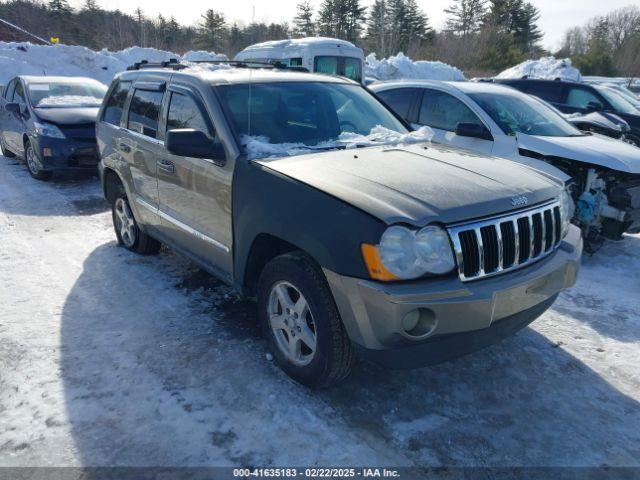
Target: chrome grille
[[488, 247]]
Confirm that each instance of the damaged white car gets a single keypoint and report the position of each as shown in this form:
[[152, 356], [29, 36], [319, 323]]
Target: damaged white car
[[501, 121]]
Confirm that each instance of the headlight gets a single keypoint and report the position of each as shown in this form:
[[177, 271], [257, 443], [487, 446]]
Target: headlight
[[410, 254], [48, 130], [567, 210]]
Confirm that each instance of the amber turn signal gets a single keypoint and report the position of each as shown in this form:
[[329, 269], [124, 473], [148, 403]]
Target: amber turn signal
[[372, 260]]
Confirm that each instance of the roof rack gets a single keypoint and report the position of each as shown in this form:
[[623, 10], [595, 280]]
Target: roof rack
[[174, 64]]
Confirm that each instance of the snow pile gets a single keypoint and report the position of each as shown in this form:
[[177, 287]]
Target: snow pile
[[549, 68], [402, 67], [200, 55], [68, 100], [72, 60], [260, 147]]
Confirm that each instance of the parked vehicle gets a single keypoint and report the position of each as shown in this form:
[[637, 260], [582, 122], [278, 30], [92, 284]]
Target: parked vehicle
[[629, 96], [50, 122], [408, 255], [316, 54], [497, 120], [572, 97]]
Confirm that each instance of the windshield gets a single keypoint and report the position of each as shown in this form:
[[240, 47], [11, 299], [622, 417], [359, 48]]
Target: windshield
[[617, 101], [519, 113], [306, 113], [66, 95]]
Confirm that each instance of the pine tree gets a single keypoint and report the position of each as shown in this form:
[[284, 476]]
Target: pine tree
[[212, 31], [303, 25], [141, 27], [377, 29], [465, 16], [90, 6], [59, 7], [341, 19]]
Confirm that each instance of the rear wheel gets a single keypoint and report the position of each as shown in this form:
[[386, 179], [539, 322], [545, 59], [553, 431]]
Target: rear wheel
[[33, 163], [127, 230], [301, 322]]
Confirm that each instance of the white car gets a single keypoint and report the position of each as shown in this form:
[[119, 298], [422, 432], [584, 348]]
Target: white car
[[501, 121]]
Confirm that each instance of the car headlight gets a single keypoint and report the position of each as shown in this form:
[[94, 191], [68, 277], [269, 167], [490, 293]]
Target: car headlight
[[567, 210], [407, 253], [48, 130]]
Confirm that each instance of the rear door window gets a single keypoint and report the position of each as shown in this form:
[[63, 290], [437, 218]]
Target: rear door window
[[144, 112], [184, 112], [115, 103], [548, 91], [581, 97], [400, 100], [444, 111]]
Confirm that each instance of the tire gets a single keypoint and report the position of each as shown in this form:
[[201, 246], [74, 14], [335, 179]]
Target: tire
[[127, 230], [5, 151], [30, 159], [333, 357]]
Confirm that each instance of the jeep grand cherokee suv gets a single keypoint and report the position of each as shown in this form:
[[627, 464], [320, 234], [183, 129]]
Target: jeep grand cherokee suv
[[356, 235]]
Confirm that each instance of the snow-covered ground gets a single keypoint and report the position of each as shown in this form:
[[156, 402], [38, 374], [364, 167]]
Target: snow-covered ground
[[549, 68], [400, 66], [71, 60], [108, 358]]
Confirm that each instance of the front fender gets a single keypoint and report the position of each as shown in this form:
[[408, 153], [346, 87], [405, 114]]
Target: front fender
[[329, 230]]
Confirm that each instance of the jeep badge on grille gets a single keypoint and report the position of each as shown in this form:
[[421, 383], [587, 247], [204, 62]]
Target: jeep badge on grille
[[519, 201]]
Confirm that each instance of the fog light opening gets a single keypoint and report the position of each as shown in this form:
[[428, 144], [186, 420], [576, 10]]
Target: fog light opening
[[419, 323], [47, 152]]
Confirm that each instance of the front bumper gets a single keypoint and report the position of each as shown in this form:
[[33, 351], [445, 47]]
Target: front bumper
[[459, 317], [57, 154]]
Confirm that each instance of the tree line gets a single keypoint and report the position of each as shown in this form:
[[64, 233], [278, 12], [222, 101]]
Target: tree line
[[479, 36]]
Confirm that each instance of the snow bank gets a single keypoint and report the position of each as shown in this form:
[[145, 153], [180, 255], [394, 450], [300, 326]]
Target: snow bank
[[260, 147], [402, 67], [550, 68], [71, 60]]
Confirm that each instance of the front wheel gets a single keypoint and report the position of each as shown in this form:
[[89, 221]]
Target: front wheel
[[301, 322], [33, 165], [127, 230]]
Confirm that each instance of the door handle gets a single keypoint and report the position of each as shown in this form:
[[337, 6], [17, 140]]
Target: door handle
[[125, 148], [166, 166]]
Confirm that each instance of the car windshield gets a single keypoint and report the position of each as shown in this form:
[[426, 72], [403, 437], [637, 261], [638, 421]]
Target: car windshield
[[520, 113], [66, 95], [617, 101], [311, 114]]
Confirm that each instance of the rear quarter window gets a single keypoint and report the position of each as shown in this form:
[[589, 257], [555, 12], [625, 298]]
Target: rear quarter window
[[399, 100], [115, 103], [144, 112]]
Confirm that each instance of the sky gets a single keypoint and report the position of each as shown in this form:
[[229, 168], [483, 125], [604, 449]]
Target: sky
[[556, 15]]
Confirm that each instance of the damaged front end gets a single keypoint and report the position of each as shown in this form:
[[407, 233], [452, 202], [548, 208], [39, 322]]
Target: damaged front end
[[607, 205]]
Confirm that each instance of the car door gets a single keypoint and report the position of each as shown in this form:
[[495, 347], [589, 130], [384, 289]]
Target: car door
[[140, 147], [443, 112], [15, 122], [194, 193]]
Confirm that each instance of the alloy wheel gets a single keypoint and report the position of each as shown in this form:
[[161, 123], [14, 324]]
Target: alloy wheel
[[292, 323], [125, 223]]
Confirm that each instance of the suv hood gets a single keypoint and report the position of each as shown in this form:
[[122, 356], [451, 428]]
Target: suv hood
[[68, 116], [595, 149], [419, 184]]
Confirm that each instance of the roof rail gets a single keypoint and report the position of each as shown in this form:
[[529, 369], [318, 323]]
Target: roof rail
[[174, 64]]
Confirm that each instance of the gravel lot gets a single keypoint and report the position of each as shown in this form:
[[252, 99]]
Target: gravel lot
[[111, 359]]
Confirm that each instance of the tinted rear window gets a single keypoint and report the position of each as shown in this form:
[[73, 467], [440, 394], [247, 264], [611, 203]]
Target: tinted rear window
[[144, 112], [399, 100], [549, 91], [115, 103]]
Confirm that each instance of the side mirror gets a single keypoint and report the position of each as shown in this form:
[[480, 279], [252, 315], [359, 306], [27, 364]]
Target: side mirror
[[13, 108], [594, 107], [188, 142], [473, 130]]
